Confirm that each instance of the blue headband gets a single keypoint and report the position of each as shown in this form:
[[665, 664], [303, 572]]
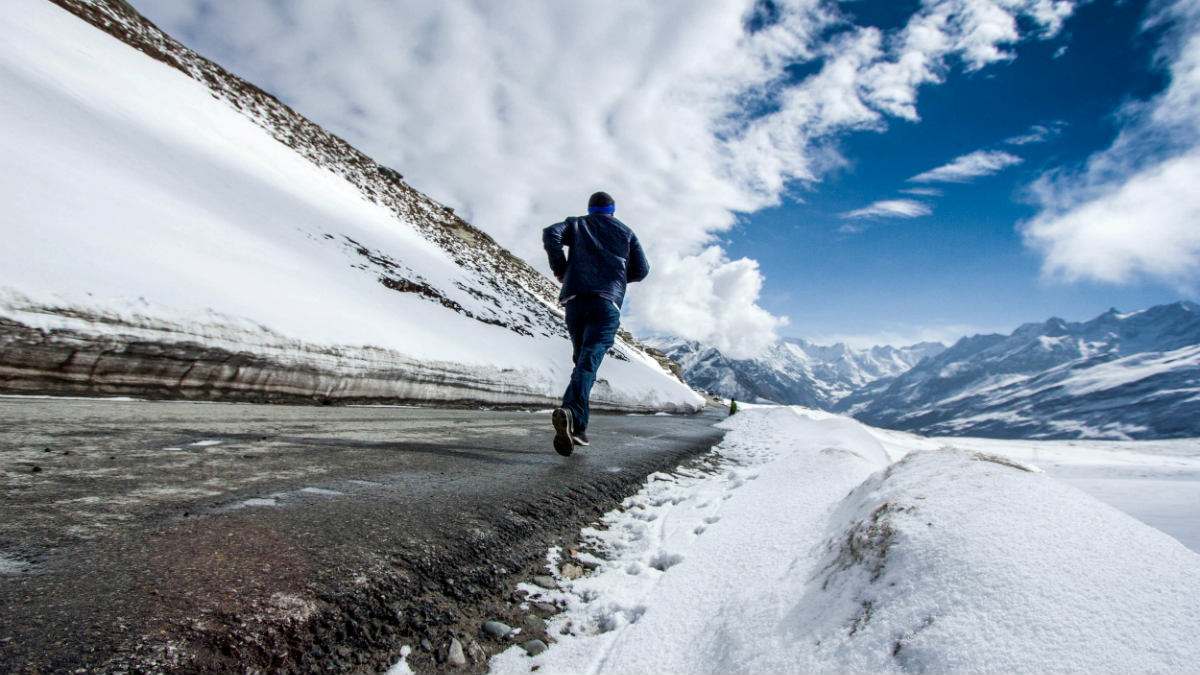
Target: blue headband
[[611, 208]]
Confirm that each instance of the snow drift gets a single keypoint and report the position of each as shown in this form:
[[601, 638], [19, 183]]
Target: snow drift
[[172, 230], [817, 544]]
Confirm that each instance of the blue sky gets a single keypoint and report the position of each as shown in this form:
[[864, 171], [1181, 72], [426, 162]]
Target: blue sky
[[963, 267], [870, 171]]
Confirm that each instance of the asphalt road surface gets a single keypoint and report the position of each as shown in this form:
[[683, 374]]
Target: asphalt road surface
[[197, 537]]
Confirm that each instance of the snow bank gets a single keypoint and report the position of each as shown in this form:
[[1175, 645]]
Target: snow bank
[[952, 561], [808, 550]]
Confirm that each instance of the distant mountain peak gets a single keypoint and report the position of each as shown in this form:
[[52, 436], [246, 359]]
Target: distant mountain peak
[[793, 370], [1119, 375]]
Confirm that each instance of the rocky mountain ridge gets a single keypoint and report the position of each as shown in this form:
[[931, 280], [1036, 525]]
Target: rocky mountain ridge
[[1120, 376], [1134, 375], [792, 371]]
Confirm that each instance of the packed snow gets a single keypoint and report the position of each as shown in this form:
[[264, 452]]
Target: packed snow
[[137, 202], [813, 543]]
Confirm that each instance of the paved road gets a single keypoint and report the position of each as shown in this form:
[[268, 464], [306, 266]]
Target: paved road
[[224, 537]]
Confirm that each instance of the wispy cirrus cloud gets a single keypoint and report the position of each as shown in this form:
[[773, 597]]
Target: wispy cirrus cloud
[[685, 111], [968, 167], [922, 192], [1038, 133], [890, 208]]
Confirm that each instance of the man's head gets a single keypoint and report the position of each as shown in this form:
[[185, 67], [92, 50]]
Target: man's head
[[601, 202]]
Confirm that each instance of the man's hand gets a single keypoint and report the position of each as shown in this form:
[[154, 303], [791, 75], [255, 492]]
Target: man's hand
[[559, 277]]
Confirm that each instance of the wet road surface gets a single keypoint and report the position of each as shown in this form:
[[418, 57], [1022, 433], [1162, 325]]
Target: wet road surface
[[202, 537]]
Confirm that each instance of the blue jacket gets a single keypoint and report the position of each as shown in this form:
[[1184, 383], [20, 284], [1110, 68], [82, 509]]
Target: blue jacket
[[605, 256]]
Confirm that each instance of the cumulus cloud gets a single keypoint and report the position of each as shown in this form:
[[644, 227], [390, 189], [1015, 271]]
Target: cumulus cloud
[[723, 301], [685, 111], [968, 167], [1132, 211], [890, 208]]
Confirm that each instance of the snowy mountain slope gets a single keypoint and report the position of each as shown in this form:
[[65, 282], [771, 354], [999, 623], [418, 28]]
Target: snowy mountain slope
[[171, 229], [792, 371], [826, 546], [1117, 376]]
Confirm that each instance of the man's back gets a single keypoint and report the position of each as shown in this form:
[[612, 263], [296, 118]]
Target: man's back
[[605, 256]]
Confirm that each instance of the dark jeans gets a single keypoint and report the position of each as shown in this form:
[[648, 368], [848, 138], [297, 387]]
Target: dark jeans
[[592, 322]]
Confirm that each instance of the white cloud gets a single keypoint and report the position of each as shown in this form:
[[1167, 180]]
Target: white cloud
[[890, 208], [722, 296], [923, 192], [964, 169], [1038, 133], [1148, 225], [514, 112], [904, 335], [1133, 211]]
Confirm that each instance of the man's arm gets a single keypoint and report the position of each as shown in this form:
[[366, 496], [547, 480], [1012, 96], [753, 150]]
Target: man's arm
[[638, 267], [552, 241]]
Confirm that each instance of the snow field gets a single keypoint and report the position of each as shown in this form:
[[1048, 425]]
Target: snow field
[[816, 544]]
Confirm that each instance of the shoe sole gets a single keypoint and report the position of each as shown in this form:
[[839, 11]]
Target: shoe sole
[[578, 442], [563, 444]]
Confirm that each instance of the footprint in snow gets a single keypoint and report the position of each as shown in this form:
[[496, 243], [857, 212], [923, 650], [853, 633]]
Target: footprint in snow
[[664, 561]]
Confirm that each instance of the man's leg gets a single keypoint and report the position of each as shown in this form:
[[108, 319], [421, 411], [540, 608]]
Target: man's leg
[[563, 418], [576, 322], [597, 320]]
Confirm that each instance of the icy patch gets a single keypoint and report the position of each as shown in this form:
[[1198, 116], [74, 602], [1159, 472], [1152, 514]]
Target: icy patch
[[259, 501], [205, 444], [321, 491]]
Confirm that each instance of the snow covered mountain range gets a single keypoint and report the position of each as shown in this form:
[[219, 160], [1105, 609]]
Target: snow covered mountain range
[[1117, 376], [792, 371], [173, 230]]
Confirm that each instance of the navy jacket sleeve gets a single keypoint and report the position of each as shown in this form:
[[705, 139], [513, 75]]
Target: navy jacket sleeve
[[638, 267], [552, 241]]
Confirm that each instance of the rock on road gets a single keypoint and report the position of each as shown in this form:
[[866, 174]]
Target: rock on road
[[197, 537]]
